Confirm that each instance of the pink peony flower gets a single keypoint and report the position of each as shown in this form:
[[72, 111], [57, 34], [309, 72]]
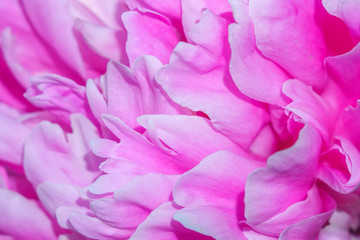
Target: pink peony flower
[[209, 119]]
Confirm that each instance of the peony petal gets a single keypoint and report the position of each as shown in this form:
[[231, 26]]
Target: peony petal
[[189, 138], [23, 218], [128, 208], [160, 37], [53, 195], [339, 167], [254, 75], [64, 44], [286, 33], [346, 10], [212, 195], [65, 159], [160, 225], [135, 154], [197, 78], [289, 173]]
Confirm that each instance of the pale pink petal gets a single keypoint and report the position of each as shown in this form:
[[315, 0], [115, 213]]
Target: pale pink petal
[[58, 95], [339, 167], [286, 33], [107, 42], [109, 183], [149, 34], [212, 195], [94, 228], [47, 18], [128, 208], [309, 106], [12, 137], [254, 75], [54, 195], [134, 153], [23, 218], [188, 138], [316, 203], [160, 225], [197, 78], [285, 181], [52, 155], [310, 227]]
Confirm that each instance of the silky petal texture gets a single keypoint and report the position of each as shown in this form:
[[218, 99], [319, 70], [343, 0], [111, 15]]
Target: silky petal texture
[[54, 195], [188, 138], [131, 93], [287, 34], [219, 223], [339, 167], [134, 154], [266, 187], [94, 228], [192, 11], [309, 228], [64, 44], [345, 69], [171, 10], [348, 11], [111, 182], [315, 204], [197, 78], [23, 51], [339, 224], [156, 29], [127, 210], [58, 95], [254, 75], [12, 142], [160, 225], [107, 42], [212, 195], [309, 106], [23, 218], [66, 158]]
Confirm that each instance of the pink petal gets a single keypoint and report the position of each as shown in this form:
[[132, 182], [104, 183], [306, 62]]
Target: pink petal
[[197, 78], [212, 195], [189, 138], [346, 10], [339, 167], [309, 106], [129, 208], [53, 196], [64, 44], [107, 42], [254, 75], [148, 34], [192, 11], [96, 229], [23, 218], [12, 138], [286, 33], [289, 173], [172, 9], [345, 70], [134, 153], [160, 225], [66, 158]]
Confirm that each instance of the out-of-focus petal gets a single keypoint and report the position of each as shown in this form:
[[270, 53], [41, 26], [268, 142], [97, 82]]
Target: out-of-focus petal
[[23, 218]]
